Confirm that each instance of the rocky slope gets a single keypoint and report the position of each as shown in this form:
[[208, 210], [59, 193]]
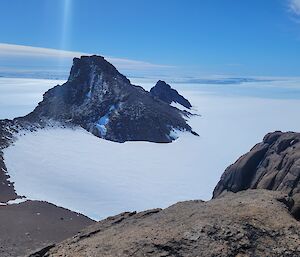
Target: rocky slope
[[31, 225], [103, 101], [236, 225], [164, 92], [273, 164]]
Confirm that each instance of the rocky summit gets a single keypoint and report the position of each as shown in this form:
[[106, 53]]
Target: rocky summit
[[164, 92], [103, 101], [236, 225], [273, 164]]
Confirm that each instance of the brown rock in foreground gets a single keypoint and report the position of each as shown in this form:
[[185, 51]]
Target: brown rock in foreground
[[28, 226], [273, 164], [249, 223]]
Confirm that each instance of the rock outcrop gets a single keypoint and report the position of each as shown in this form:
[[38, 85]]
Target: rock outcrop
[[103, 101], [273, 164], [236, 225], [165, 93]]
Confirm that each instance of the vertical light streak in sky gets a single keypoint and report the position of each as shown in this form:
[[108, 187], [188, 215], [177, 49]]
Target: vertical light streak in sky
[[66, 22], [66, 26]]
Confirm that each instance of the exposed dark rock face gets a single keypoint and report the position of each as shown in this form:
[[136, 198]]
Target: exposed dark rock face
[[236, 225], [164, 92], [103, 101], [273, 164]]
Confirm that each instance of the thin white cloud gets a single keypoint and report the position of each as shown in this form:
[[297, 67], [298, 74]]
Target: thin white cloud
[[294, 6], [21, 52]]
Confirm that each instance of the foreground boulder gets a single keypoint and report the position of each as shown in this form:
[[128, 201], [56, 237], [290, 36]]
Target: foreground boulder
[[273, 164], [103, 101], [240, 225], [165, 93]]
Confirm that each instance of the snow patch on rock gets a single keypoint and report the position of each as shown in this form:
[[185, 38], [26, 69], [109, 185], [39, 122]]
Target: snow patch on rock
[[17, 201], [103, 121]]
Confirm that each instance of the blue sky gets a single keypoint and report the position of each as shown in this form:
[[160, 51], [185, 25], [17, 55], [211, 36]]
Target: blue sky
[[233, 37]]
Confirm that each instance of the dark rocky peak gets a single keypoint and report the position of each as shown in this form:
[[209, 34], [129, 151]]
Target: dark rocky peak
[[103, 101], [87, 68], [164, 92], [273, 164]]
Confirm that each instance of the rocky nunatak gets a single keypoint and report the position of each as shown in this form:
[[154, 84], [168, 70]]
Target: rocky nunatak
[[103, 101]]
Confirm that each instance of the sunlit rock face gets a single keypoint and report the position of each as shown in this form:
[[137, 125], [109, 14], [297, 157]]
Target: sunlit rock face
[[103, 101], [273, 164]]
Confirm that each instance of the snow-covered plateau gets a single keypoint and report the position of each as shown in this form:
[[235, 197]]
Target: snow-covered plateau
[[99, 178]]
